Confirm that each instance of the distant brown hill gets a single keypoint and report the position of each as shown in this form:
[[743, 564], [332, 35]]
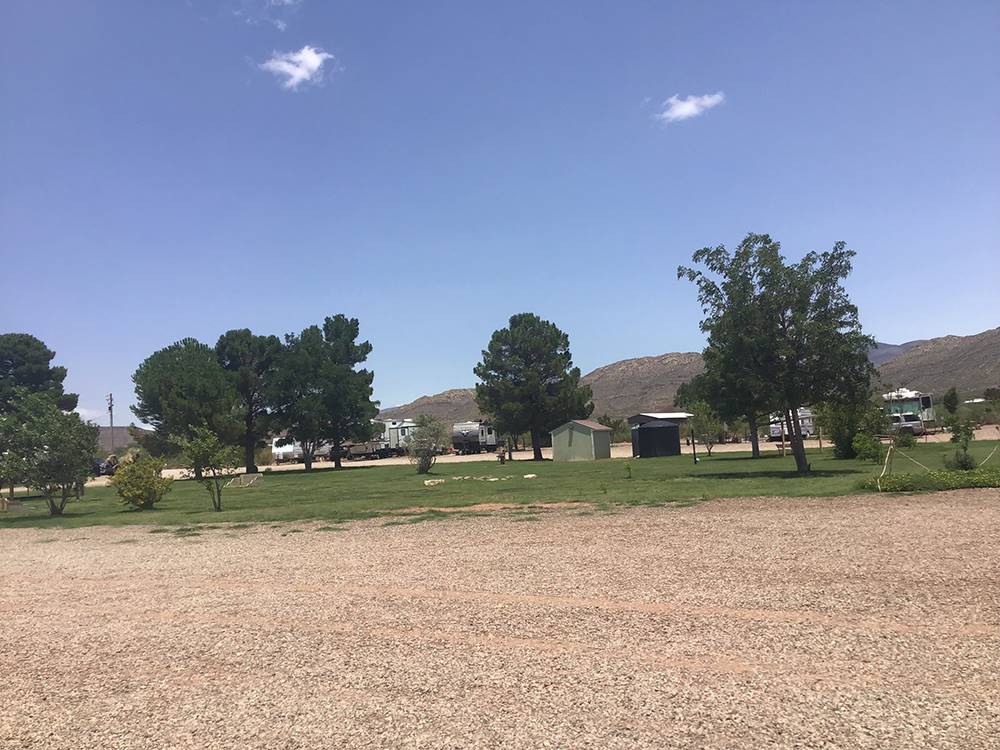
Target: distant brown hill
[[123, 439], [456, 405], [630, 386], [970, 363], [621, 389]]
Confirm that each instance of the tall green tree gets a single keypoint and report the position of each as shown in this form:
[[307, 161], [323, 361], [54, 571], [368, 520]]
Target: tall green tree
[[319, 395], [26, 364], [739, 336], [801, 340], [20, 436], [950, 401], [250, 362], [182, 387], [528, 382]]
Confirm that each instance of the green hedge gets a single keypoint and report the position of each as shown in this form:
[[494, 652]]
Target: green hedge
[[935, 480]]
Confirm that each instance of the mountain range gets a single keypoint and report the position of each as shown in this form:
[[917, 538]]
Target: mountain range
[[970, 363]]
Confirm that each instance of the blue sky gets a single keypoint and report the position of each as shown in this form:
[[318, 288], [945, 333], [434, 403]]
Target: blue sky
[[176, 169]]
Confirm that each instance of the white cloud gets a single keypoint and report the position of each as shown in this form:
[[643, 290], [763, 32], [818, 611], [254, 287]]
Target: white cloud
[[91, 415], [676, 109], [296, 68], [280, 25]]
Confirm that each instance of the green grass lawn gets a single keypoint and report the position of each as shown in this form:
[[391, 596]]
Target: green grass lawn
[[373, 490]]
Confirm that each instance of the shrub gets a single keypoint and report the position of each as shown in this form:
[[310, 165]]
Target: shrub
[[867, 448], [980, 478], [430, 437], [138, 482], [904, 439], [841, 422], [960, 460]]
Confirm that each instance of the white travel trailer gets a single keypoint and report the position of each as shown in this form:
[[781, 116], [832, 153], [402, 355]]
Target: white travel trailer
[[396, 434], [292, 452], [473, 437], [806, 422]]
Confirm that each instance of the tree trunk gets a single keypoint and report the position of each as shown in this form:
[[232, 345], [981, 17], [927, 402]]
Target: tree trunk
[[307, 458], [335, 452], [510, 449], [249, 462], [754, 437], [536, 445], [795, 438], [198, 473]]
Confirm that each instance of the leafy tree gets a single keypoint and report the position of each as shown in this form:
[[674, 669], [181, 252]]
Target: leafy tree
[[430, 437], [739, 334], [801, 340], [992, 394], [529, 383], [182, 388], [318, 394], [621, 432], [950, 401], [20, 438], [705, 424], [843, 421], [866, 447], [140, 482], [250, 362], [65, 457], [216, 460], [25, 364]]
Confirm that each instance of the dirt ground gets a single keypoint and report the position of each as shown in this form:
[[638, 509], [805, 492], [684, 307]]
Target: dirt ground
[[864, 622]]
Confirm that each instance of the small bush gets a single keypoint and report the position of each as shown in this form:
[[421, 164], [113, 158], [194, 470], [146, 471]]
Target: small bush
[[138, 482], [904, 439], [867, 448], [960, 460], [980, 478]]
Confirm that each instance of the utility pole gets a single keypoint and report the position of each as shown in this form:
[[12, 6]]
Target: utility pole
[[694, 446], [111, 419]]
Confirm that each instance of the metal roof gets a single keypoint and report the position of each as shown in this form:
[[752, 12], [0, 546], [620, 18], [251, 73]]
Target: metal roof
[[666, 414], [589, 424]]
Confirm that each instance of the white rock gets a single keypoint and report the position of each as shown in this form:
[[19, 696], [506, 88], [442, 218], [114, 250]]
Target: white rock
[[531, 476]]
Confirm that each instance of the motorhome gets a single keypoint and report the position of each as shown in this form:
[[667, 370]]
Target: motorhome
[[473, 437], [903, 401]]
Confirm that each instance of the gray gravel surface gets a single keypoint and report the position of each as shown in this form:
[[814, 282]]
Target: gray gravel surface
[[865, 622]]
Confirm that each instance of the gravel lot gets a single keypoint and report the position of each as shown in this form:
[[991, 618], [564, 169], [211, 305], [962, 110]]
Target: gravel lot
[[850, 622]]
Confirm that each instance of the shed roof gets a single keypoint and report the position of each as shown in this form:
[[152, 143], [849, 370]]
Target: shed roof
[[665, 414], [589, 424], [653, 423]]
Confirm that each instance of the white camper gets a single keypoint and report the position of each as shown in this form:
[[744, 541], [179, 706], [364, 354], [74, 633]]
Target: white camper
[[473, 437]]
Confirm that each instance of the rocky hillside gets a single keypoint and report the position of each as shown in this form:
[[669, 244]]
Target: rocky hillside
[[884, 352], [970, 363], [620, 389], [624, 388], [456, 405]]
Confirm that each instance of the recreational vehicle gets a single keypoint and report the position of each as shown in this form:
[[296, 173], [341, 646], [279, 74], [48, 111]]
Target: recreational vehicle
[[473, 437], [806, 422], [903, 401]]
